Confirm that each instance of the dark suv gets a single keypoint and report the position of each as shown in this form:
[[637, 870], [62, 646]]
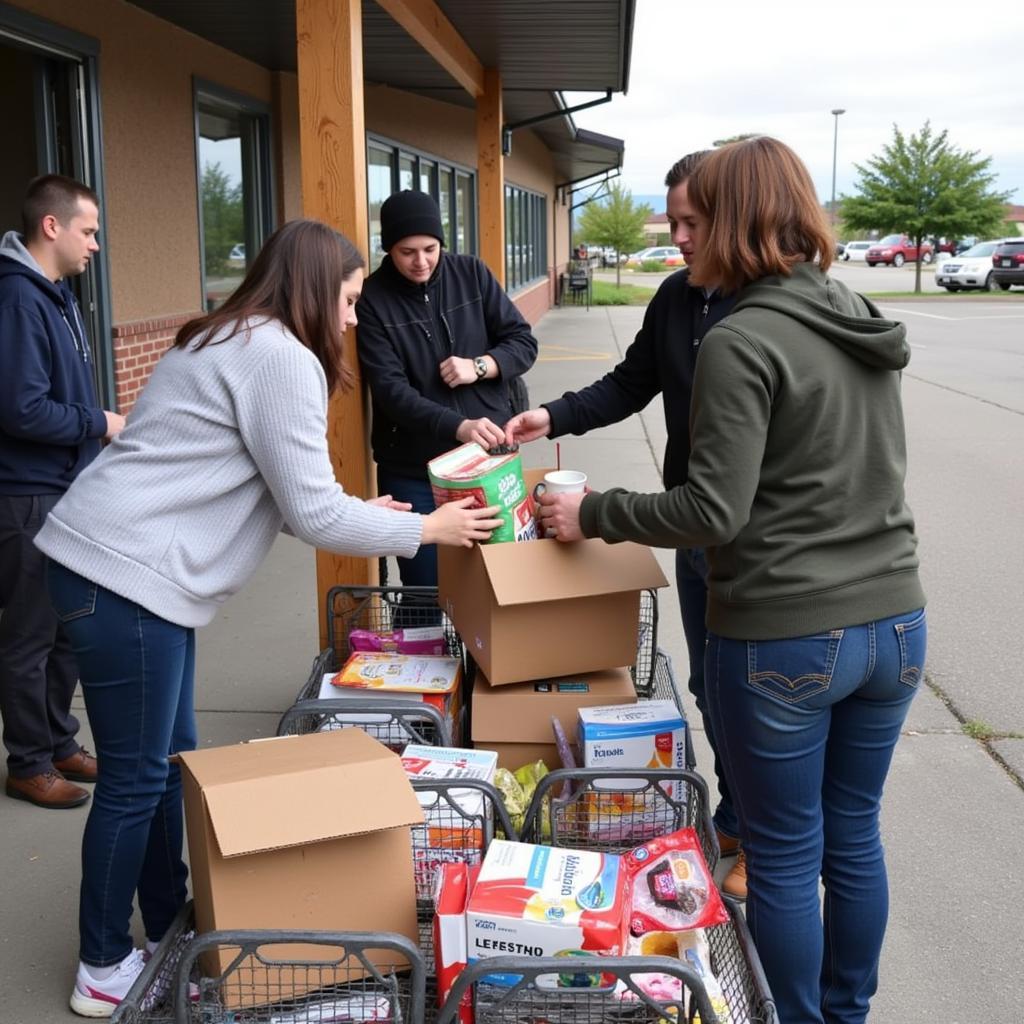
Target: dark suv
[[1008, 263]]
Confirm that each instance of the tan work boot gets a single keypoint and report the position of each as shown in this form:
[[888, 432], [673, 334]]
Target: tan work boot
[[728, 846], [49, 789], [735, 883]]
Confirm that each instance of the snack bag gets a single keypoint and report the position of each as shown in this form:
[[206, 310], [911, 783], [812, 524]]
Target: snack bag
[[491, 480], [418, 640], [672, 888]]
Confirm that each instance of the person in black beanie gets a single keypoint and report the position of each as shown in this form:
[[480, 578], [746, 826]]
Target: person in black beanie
[[441, 347]]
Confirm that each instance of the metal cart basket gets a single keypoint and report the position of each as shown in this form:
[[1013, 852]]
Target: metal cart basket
[[617, 996], [277, 977], [612, 810]]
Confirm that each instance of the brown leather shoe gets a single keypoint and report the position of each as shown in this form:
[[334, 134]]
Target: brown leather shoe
[[735, 883], [728, 846], [79, 767], [50, 789]]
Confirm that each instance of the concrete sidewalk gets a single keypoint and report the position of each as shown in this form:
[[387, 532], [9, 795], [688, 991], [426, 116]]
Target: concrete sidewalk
[[953, 817]]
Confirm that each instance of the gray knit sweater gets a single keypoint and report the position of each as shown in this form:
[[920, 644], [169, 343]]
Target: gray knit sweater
[[223, 448]]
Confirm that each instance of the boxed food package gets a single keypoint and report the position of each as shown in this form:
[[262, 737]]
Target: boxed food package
[[650, 734], [469, 471], [451, 896], [299, 832], [538, 901], [456, 820], [367, 675], [543, 608], [515, 720]]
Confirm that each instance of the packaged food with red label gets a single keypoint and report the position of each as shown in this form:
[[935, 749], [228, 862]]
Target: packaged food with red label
[[672, 888]]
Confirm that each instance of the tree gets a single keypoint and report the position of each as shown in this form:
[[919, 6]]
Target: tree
[[223, 220], [616, 222], [923, 186]]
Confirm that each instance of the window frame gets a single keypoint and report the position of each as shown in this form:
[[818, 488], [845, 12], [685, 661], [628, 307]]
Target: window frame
[[526, 237], [260, 219]]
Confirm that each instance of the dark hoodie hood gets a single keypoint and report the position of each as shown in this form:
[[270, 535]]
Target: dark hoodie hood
[[832, 311], [19, 262]]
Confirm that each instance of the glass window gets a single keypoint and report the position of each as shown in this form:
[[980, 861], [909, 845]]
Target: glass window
[[235, 202], [391, 168], [525, 237], [406, 173], [428, 177], [444, 200], [464, 210], [379, 174]]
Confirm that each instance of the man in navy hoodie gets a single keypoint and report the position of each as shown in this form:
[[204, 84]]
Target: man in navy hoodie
[[51, 427]]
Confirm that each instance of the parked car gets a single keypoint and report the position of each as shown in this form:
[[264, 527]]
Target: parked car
[[1008, 263], [971, 269], [667, 254], [895, 250], [236, 258], [840, 249], [856, 251]]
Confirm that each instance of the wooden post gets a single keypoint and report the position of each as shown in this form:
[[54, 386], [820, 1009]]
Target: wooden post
[[491, 175], [332, 144]]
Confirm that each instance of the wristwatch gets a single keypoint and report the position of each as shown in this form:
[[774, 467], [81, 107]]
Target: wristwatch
[[481, 367]]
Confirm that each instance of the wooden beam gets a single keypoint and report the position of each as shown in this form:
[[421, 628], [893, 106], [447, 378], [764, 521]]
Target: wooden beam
[[427, 24], [332, 146], [491, 175]]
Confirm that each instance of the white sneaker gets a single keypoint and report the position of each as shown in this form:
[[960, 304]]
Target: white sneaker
[[92, 998]]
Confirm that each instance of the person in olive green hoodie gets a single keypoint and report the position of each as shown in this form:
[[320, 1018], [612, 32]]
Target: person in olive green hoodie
[[816, 623]]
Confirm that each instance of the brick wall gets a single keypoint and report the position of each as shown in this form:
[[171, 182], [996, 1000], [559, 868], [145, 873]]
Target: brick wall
[[137, 347], [533, 302]]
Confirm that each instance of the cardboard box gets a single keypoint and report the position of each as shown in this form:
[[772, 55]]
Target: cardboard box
[[539, 901], [515, 720], [542, 608], [301, 832]]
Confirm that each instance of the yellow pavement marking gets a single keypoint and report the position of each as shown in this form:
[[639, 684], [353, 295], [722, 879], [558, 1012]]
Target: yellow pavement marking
[[571, 354]]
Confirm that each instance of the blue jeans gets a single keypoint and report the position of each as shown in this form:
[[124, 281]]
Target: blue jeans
[[421, 569], [691, 573], [137, 672], [807, 728]]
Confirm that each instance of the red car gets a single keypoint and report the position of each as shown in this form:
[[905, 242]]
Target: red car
[[896, 250]]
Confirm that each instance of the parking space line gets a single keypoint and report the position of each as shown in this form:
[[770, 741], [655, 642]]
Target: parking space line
[[957, 319]]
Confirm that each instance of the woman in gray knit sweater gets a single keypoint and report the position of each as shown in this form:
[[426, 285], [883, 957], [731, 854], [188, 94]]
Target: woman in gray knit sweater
[[225, 448]]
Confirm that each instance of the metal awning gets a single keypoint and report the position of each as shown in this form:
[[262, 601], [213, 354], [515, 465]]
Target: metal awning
[[541, 47]]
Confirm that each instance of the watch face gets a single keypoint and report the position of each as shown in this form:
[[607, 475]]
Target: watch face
[[481, 366]]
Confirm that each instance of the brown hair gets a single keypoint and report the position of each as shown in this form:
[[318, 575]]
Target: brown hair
[[764, 214], [56, 195], [681, 170], [296, 278]]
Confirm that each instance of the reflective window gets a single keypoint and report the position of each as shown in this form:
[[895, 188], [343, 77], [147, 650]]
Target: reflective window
[[526, 237], [235, 202], [391, 168]]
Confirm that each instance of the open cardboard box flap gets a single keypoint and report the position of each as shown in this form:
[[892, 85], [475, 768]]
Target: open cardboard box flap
[[546, 570], [303, 789]]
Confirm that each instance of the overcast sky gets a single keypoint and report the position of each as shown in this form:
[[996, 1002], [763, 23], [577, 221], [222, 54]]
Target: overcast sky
[[704, 72]]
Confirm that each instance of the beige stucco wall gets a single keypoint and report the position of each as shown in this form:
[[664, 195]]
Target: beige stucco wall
[[146, 67]]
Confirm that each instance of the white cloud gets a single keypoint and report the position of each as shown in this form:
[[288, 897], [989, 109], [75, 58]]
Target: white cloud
[[705, 72]]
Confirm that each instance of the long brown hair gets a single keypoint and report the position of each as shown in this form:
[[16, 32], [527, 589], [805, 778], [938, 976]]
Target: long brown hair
[[764, 214], [296, 278]]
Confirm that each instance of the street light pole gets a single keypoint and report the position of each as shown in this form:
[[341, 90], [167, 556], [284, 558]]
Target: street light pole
[[835, 148]]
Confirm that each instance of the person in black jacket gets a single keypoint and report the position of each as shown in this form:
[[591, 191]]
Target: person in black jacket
[[661, 360], [51, 426], [439, 345]]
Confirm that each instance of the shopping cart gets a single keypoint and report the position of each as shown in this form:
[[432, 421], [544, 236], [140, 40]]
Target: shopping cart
[[461, 816], [552, 989], [664, 687], [276, 977], [395, 723], [613, 810]]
